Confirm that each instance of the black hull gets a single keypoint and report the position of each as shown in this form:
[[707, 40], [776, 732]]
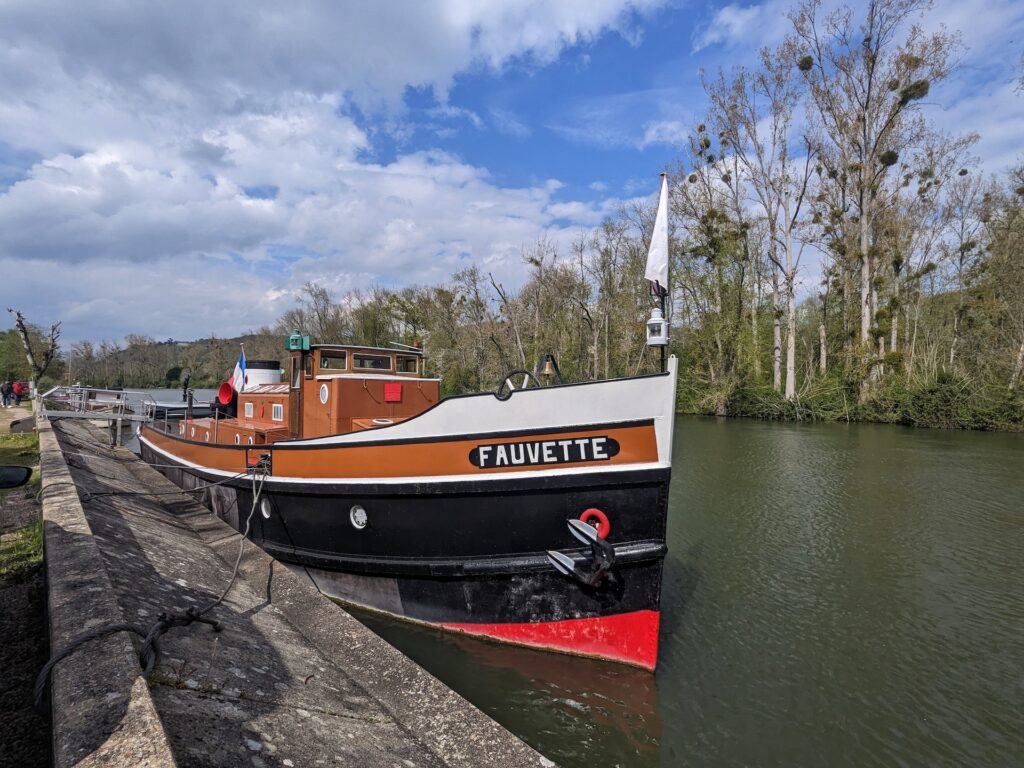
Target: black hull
[[469, 555]]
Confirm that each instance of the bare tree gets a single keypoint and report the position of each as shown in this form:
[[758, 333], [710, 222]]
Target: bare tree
[[963, 203], [866, 80], [39, 364], [754, 113]]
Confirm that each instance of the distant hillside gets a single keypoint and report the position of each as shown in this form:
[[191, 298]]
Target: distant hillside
[[144, 362]]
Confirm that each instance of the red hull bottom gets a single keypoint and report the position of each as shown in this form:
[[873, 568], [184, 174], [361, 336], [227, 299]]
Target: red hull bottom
[[628, 638]]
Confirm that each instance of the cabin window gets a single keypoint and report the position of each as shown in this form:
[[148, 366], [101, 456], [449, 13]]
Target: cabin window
[[407, 364], [248, 410], [333, 361], [372, 362], [277, 412], [307, 363]]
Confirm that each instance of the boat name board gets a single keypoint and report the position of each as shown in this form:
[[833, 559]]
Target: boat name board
[[529, 452]]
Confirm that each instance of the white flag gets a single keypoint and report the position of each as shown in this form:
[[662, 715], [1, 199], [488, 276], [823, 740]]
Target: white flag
[[238, 377], [657, 256]]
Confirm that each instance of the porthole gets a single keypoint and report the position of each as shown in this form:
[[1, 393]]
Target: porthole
[[265, 508], [207, 437], [238, 439], [249, 440], [358, 517], [193, 432], [181, 428], [323, 394]]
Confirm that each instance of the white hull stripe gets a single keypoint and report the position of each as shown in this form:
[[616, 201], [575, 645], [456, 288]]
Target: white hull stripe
[[482, 476]]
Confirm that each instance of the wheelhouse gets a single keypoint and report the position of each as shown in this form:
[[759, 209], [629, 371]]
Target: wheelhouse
[[330, 389]]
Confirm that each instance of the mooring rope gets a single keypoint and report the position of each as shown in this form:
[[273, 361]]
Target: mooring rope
[[149, 654], [126, 461], [87, 495]]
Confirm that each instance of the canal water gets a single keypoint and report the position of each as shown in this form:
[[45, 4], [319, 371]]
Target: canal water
[[834, 595]]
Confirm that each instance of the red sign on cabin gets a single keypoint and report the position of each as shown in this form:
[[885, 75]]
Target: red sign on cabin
[[392, 392]]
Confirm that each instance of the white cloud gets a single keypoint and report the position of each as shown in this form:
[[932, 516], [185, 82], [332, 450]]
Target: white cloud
[[541, 29], [632, 119], [183, 167], [729, 24], [506, 122], [672, 132], [755, 25], [449, 112]]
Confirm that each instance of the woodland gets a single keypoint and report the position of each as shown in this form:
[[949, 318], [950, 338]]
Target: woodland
[[836, 254]]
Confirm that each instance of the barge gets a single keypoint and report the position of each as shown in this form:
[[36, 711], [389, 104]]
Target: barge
[[534, 516]]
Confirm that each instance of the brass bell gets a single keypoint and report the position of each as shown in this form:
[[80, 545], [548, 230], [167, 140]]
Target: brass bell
[[549, 367]]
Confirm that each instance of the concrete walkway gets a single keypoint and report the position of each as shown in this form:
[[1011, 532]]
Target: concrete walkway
[[292, 680]]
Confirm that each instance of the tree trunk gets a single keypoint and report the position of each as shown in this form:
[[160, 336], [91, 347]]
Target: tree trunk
[[1018, 369], [913, 337], [23, 335], [790, 305], [776, 334], [906, 332], [790, 338], [847, 323], [895, 336], [606, 353], [956, 339], [754, 301], [822, 349], [718, 290], [865, 279]]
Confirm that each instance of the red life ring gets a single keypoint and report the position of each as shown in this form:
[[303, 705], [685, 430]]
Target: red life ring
[[594, 514]]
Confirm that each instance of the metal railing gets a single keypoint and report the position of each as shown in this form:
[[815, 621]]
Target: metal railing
[[113, 406]]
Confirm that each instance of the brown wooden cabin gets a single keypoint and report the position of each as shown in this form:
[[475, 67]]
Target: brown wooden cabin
[[331, 389]]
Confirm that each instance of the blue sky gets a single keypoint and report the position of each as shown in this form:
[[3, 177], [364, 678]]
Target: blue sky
[[182, 169], [579, 119]]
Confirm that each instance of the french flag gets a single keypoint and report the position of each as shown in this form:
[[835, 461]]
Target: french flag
[[238, 378]]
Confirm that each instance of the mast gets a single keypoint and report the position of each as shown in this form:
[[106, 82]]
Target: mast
[[657, 273]]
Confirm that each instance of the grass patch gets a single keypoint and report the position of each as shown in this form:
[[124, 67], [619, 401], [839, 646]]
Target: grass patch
[[20, 449], [21, 554]]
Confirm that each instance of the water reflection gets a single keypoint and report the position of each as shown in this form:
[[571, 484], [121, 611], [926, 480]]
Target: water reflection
[[572, 708]]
